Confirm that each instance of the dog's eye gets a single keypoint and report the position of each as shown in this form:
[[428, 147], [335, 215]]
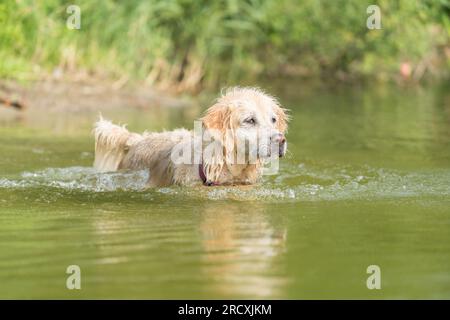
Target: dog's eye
[[274, 120], [250, 121]]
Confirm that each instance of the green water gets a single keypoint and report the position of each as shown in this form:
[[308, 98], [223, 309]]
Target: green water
[[366, 182]]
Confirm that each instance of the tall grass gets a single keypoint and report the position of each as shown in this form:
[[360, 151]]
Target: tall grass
[[186, 44]]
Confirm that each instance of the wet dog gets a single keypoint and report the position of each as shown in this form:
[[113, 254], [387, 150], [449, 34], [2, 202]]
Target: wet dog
[[242, 132]]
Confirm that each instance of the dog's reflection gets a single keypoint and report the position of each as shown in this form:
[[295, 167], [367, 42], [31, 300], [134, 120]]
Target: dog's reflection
[[241, 254], [243, 250]]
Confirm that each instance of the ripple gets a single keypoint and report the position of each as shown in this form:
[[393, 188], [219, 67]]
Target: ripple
[[80, 178], [294, 183]]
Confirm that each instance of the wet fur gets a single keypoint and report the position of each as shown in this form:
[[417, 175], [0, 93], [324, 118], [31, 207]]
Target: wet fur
[[116, 148]]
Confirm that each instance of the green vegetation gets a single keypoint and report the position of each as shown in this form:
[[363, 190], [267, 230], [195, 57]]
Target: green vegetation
[[185, 44]]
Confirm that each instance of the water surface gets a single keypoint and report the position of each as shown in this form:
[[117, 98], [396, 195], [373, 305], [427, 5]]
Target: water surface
[[366, 182]]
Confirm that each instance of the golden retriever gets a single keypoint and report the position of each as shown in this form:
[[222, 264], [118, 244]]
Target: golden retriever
[[236, 138]]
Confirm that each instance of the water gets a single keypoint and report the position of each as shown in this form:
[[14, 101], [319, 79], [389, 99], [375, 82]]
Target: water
[[366, 182]]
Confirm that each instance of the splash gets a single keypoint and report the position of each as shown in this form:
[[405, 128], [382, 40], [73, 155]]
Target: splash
[[79, 178], [295, 183]]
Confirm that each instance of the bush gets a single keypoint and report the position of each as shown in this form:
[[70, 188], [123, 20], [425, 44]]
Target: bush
[[185, 44]]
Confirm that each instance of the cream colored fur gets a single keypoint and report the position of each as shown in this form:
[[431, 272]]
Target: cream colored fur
[[116, 148]]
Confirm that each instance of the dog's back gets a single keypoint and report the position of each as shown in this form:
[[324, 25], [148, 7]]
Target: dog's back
[[116, 148]]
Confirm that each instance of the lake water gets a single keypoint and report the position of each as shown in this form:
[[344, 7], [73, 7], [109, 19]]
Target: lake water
[[366, 182]]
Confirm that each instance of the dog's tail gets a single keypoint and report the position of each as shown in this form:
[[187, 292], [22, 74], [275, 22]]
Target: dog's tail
[[112, 143]]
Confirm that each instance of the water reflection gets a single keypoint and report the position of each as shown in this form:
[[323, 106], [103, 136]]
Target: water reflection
[[243, 251]]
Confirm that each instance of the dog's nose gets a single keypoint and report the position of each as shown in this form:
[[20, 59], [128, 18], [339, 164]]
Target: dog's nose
[[279, 138]]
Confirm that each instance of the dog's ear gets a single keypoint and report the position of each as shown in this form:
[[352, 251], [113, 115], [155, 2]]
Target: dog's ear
[[282, 118], [217, 121], [217, 117]]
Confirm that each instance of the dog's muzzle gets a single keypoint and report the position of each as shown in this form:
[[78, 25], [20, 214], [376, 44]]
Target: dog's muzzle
[[280, 140]]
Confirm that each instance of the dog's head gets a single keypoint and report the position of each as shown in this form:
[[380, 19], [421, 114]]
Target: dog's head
[[250, 124]]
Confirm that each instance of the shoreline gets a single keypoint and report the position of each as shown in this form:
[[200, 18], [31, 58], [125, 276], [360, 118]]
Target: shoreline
[[64, 95]]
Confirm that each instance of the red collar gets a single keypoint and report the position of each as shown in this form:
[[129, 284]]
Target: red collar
[[202, 175]]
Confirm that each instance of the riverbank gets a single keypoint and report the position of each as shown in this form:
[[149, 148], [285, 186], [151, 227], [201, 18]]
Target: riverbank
[[57, 95]]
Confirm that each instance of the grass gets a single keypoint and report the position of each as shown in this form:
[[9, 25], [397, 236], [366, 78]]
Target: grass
[[190, 44]]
